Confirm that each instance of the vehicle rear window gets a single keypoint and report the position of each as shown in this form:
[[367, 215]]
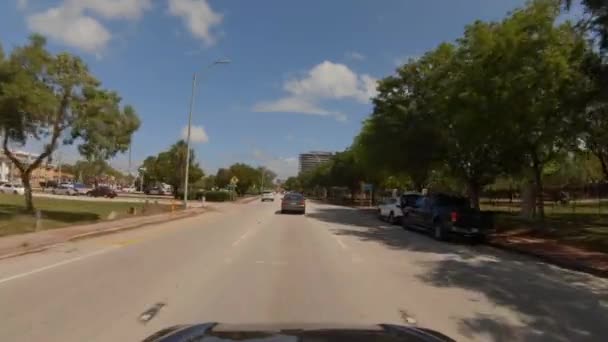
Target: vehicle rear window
[[294, 197]]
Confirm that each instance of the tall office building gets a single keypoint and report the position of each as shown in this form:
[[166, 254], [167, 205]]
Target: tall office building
[[309, 161]]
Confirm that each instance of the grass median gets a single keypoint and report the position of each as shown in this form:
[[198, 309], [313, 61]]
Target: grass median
[[583, 224], [57, 213]]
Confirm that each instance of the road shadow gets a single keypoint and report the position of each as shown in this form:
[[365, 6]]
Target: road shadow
[[365, 225], [555, 304], [279, 212]]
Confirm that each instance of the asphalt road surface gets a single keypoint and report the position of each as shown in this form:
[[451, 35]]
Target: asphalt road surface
[[249, 264]]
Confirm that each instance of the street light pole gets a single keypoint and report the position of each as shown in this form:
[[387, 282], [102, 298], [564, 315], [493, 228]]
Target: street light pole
[[187, 171], [188, 142]]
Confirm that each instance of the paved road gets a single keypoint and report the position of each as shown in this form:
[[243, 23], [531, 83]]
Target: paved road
[[246, 263]]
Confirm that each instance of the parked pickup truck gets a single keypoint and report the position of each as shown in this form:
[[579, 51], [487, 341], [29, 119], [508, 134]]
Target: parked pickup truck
[[444, 215]]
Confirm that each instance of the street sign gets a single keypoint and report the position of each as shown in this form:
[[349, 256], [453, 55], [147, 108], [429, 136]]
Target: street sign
[[234, 180], [368, 187]]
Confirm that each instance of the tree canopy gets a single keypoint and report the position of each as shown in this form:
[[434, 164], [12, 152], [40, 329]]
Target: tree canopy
[[54, 99], [169, 167]]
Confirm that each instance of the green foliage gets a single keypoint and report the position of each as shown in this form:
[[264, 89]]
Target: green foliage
[[250, 179], [95, 171], [169, 167], [54, 99], [292, 184], [217, 196]]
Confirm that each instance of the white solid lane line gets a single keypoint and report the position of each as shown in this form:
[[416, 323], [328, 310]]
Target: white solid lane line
[[64, 262], [243, 237], [342, 244]]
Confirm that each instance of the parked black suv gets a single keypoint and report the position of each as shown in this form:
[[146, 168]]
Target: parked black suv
[[443, 215]]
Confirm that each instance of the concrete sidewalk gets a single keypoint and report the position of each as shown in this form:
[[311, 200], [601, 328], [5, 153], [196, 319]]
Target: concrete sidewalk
[[14, 245]]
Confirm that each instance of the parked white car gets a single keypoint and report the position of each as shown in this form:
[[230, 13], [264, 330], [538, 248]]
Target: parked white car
[[129, 190], [9, 188], [390, 210]]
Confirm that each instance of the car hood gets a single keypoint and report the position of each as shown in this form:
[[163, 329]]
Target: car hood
[[217, 332]]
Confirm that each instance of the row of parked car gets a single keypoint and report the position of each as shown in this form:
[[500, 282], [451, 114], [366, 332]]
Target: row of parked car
[[10, 188], [75, 189], [439, 214]]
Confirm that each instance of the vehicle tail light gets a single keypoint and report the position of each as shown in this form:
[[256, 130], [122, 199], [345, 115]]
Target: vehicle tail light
[[454, 216]]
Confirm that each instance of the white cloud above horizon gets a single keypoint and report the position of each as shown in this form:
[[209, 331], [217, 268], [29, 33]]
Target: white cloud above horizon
[[79, 23], [284, 167], [197, 134], [198, 16], [325, 81], [355, 56]]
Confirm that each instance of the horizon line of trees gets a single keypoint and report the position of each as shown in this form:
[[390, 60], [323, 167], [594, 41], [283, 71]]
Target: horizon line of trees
[[169, 167]]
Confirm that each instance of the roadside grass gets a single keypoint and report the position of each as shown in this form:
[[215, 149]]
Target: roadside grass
[[57, 213], [582, 224]]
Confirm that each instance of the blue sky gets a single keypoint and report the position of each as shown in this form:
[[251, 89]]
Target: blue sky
[[301, 71]]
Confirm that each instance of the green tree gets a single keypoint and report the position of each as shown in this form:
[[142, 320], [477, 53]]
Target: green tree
[[169, 167], [247, 176], [292, 184], [54, 99], [223, 177], [267, 177], [539, 70]]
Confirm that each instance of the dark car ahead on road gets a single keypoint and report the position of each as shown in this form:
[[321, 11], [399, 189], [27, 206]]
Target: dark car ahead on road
[[321, 333], [102, 191], [444, 215], [293, 203]]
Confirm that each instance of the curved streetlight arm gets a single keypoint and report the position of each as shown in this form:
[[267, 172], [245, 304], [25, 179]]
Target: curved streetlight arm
[[186, 172]]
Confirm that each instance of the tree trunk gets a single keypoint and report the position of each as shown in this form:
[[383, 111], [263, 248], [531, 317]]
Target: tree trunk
[[29, 202], [602, 157], [538, 182], [474, 189]]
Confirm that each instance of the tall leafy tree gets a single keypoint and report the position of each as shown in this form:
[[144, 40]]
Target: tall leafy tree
[[54, 99], [223, 177], [169, 167], [539, 70]]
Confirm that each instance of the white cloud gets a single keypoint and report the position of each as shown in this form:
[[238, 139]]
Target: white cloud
[[198, 16], [22, 4], [72, 22], [291, 105], [70, 27], [113, 9], [197, 134], [325, 81], [355, 56], [284, 167]]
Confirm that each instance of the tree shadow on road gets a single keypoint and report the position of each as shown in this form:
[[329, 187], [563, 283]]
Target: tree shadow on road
[[367, 227], [555, 304]]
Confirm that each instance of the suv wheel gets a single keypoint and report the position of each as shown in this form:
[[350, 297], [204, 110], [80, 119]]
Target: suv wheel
[[391, 218]]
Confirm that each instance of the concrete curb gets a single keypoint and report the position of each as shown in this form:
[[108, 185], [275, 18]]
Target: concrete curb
[[129, 227], [574, 266], [162, 218]]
